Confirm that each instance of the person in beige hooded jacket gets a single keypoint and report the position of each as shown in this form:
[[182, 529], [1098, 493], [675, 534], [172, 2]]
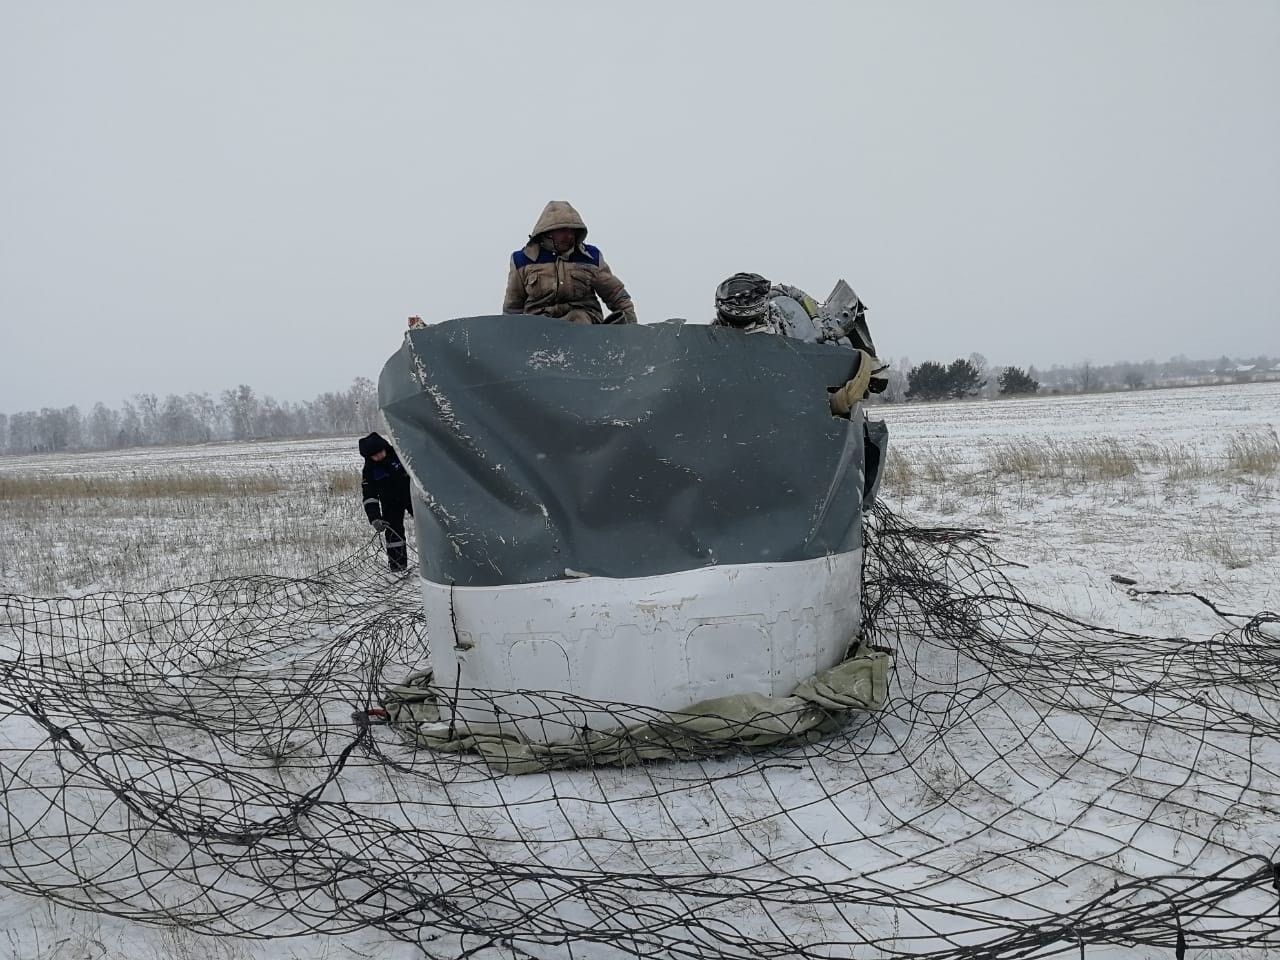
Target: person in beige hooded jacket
[[558, 274]]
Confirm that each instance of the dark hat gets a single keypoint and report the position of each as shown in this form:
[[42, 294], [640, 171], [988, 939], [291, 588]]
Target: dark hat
[[372, 444]]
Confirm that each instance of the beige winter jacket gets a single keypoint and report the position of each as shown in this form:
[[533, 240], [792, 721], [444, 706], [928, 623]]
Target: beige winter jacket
[[568, 285]]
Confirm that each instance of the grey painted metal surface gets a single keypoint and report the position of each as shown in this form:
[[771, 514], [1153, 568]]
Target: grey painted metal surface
[[541, 448]]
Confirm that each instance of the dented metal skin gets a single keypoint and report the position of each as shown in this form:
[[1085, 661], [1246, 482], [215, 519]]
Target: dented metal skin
[[652, 515], [665, 642]]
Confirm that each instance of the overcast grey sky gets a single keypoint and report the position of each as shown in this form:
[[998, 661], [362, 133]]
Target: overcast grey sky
[[195, 195]]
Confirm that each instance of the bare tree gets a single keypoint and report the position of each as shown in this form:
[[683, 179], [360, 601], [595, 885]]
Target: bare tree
[[979, 363], [204, 414], [1087, 378], [340, 411], [364, 394], [103, 429], [275, 419], [186, 419], [148, 405], [240, 407], [75, 427], [130, 433], [22, 432], [57, 429], [896, 379]]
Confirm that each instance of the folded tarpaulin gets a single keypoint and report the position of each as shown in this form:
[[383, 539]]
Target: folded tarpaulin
[[747, 721], [543, 449]]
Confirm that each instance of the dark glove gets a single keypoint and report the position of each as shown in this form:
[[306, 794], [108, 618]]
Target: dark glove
[[879, 381], [380, 526]]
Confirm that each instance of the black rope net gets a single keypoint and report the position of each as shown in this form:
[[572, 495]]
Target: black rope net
[[209, 757]]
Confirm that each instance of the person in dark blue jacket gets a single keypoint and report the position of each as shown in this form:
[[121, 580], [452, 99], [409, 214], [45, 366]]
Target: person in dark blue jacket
[[384, 486]]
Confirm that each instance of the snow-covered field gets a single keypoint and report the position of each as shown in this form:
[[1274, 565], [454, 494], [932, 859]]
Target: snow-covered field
[[971, 811], [1147, 485], [147, 519]]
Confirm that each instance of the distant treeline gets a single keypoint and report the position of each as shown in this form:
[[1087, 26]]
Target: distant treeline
[[148, 420], [973, 376], [240, 414]]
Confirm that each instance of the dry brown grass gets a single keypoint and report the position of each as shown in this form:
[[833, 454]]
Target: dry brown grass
[[1019, 460], [1101, 460], [1220, 547], [1053, 460], [140, 487], [915, 472], [342, 483], [1254, 453], [166, 486], [899, 474], [1181, 465], [162, 528], [906, 473]]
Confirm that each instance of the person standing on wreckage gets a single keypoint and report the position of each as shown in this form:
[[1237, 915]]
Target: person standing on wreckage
[[384, 489], [750, 303], [558, 274]]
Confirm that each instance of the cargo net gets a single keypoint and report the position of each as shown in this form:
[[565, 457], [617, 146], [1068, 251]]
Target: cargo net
[[211, 757]]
